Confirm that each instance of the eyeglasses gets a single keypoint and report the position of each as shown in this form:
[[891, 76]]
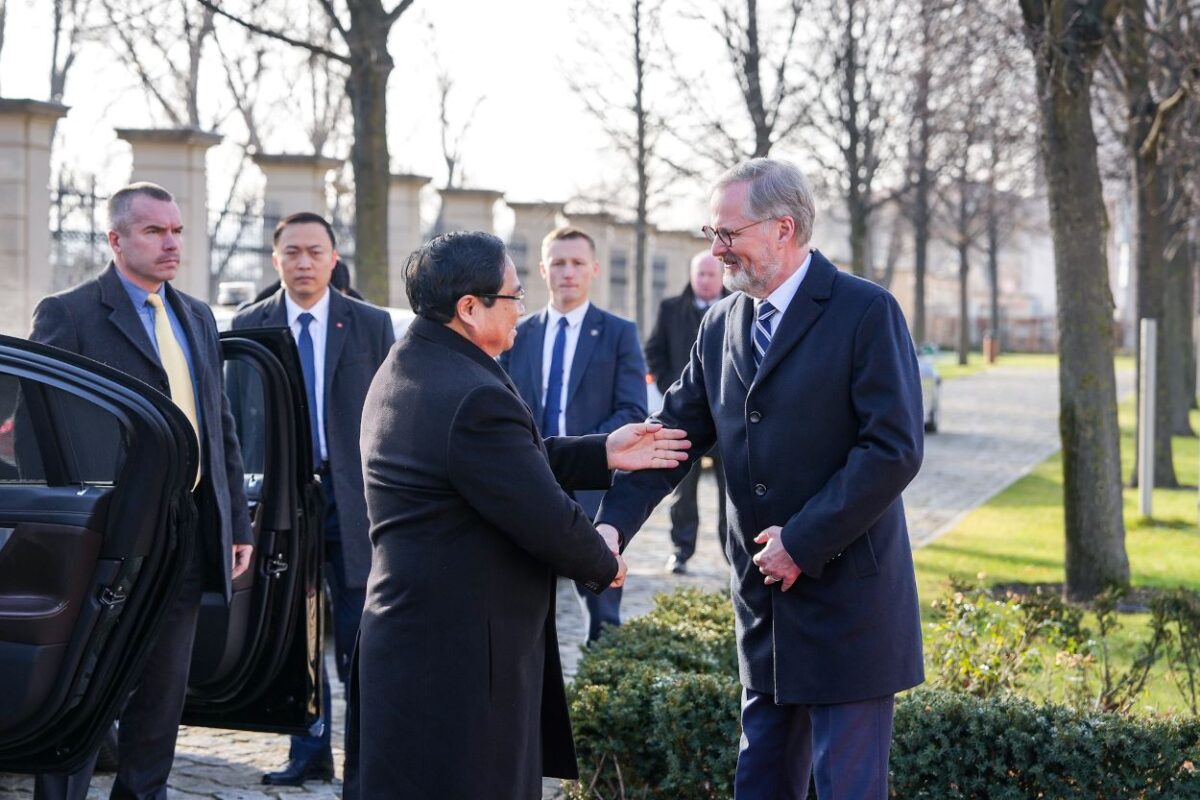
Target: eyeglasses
[[726, 237], [519, 296]]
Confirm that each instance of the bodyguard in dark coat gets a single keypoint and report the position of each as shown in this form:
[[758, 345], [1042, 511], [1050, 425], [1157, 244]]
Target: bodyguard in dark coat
[[460, 690], [806, 380], [667, 352], [348, 341], [118, 319]]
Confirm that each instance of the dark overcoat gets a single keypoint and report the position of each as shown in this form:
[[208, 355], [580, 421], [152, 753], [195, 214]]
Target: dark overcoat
[[460, 688], [96, 319], [607, 385], [670, 342], [821, 440], [356, 342]]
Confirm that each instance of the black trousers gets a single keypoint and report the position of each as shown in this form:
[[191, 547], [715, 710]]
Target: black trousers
[[150, 719], [685, 514]]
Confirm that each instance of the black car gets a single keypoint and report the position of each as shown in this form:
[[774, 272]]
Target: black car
[[94, 516]]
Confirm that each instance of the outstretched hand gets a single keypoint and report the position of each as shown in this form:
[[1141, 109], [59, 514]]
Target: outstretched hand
[[646, 445]]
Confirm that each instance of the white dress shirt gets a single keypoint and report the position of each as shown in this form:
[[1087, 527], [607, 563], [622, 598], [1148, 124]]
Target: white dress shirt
[[574, 327], [318, 329], [781, 298]]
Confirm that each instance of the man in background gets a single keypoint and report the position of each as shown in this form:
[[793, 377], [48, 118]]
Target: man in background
[[667, 352], [580, 369], [342, 342]]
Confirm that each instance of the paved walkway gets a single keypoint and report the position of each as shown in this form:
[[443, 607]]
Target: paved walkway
[[995, 427]]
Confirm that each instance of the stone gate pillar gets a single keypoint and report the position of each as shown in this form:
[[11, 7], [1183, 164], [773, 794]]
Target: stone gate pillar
[[404, 231], [25, 269]]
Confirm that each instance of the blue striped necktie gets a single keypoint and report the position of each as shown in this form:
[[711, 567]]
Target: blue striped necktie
[[762, 331]]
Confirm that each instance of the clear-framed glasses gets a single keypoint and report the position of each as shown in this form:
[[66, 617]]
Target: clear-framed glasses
[[726, 237]]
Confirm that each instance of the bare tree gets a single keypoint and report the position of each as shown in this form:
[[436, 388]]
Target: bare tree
[[618, 97], [365, 39], [1066, 37], [161, 43], [453, 128], [3, 21], [855, 115]]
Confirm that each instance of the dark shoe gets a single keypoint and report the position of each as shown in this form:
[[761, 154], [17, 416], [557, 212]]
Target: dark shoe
[[297, 772], [677, 565]]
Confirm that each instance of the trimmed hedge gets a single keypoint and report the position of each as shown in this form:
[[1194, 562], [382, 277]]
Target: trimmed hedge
[[655, 710]]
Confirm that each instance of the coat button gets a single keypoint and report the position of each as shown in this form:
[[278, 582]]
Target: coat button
[[760, 489], [755, 416]]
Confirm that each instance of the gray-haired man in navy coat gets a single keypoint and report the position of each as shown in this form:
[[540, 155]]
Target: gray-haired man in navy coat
[[806, 380]]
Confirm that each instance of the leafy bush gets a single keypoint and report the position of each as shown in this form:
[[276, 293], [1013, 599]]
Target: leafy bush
[[948, 745], [655, 708]]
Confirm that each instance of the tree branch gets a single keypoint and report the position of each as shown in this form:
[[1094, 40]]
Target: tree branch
[[211, 5]]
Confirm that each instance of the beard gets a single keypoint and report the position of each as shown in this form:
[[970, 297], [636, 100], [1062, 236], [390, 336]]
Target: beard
[[752, 281]]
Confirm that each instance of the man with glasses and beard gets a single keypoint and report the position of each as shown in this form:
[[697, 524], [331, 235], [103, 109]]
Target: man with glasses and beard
[[806, 380]]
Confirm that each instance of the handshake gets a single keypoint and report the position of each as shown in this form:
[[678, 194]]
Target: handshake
[[640, 445]]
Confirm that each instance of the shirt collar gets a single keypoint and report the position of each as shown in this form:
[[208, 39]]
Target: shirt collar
[[574, 316], [781, 298], [136, 293], [320, 309]]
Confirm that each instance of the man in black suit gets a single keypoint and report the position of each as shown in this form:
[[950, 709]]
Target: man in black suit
[[132, 319], [459, 684], [667, 352], [342, 342], [806, 380], [580, 369]]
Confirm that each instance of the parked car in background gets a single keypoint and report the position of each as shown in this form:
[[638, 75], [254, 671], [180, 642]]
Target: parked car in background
[[931, 385]]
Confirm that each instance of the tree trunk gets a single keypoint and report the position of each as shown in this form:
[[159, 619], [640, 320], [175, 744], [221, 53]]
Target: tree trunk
[[370, 67], [1177, 337], [964, 319], [996, 324], [643, 176], [859, 230], [1092, 503]]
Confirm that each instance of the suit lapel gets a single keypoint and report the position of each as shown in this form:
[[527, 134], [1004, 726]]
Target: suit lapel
[[274, 311], [123, 315], [801, 313], [589, 336], [336, 332], [737, 339], [537, 342]]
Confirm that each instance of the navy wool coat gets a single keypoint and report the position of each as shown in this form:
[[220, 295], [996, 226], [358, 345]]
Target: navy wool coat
[[821, 441]]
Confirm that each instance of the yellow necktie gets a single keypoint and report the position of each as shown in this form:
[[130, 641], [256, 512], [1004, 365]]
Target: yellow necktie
[[179, 378]]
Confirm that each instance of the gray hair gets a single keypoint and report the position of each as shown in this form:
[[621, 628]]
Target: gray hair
[[777, 189], [119, 204]]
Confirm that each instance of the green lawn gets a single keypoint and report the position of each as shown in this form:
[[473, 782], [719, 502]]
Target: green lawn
[[1018, 537], [949, 368]]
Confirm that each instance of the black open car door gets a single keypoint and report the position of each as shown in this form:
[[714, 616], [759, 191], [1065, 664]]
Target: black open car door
[[255, 665], [96, 520]]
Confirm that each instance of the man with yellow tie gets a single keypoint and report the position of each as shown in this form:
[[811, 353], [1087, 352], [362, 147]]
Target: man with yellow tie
[[132, 319]]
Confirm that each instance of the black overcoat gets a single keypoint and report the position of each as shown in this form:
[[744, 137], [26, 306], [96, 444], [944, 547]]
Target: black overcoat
[[820, 440], [670, 342], [460, 688], [357, 340]]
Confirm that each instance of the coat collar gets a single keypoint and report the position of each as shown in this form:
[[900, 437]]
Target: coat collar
[[801, 313], [125, 317], [441, 335]]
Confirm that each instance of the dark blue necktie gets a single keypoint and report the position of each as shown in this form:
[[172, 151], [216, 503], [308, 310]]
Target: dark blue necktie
[[555, 382], [762, 331], [308, 362]]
